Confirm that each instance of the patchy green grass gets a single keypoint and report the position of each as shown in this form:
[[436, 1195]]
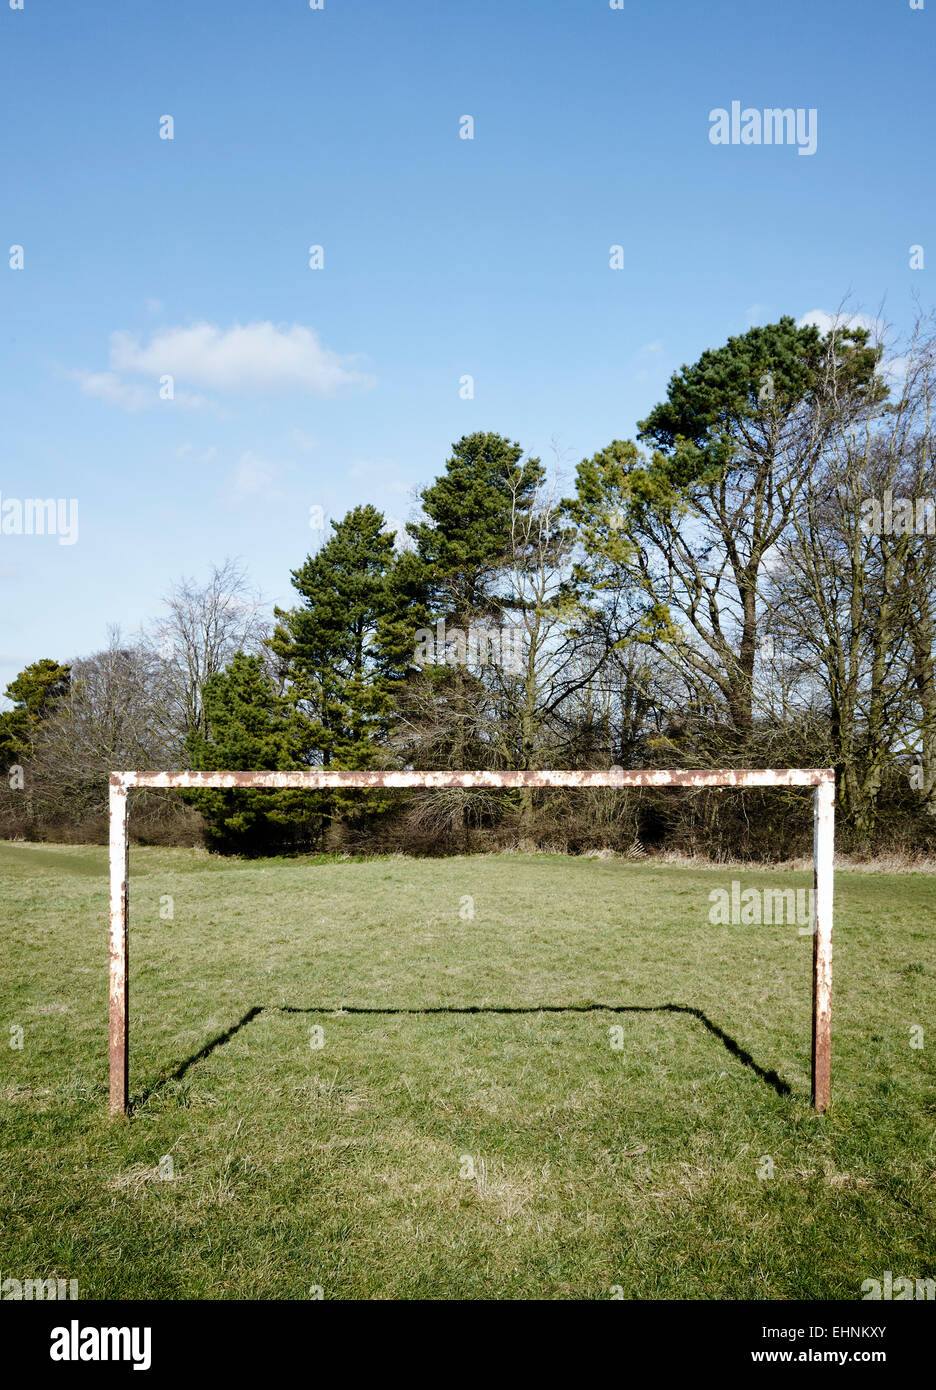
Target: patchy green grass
[[458, 1045]]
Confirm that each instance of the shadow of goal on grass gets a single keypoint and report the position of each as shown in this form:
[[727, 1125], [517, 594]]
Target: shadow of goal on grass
[[769, 1077], [218, 1041]]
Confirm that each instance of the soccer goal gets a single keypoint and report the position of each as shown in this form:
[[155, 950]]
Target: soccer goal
[[822, 779]]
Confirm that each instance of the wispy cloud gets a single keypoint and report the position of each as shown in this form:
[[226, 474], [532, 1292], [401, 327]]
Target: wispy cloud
[[193, 454], [305, 443], [255, 477], [893, 367], [132, 395], [107, 386], [249, 359], [379, 473], [260, 358], [825, 322]]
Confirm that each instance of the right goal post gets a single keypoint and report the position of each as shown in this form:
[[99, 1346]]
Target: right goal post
[[821, 779]]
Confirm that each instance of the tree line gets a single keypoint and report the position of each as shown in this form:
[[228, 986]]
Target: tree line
[[749, 581]]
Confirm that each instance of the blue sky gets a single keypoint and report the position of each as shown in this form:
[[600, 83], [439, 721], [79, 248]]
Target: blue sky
[[443, 257]]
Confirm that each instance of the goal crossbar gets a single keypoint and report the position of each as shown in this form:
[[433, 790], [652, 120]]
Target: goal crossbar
[[821, 779]]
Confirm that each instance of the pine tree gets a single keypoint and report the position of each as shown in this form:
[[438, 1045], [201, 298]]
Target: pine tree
[[470, 514], [34, 692], [331, 653], [251, 728], [473, 515]]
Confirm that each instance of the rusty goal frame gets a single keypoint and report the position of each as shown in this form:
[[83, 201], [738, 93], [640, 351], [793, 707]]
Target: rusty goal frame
[[822, 779]]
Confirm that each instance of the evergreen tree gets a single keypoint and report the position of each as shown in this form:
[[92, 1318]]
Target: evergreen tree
[[471, 514], [475, 516], [250, 728], [34, 692], [331, 653]]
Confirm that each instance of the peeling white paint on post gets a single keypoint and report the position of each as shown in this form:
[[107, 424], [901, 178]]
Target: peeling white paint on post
[[823, 874], [325, 778], [119, 940], [823, 779]]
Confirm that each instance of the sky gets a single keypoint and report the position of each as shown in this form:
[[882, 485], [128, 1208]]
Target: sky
[[300, 392]]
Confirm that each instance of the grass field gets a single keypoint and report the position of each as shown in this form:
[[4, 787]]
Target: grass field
[[467, 1129]]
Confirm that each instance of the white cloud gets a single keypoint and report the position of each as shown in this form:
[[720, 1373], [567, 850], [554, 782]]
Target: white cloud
[[655, 346], [195, 455], [107, 386], [825, 322], [892, 368], [254, 357], [132, 396], [254, 477], [401, 537], [306, 443], [379, 473], [894, 371], [372, 470]]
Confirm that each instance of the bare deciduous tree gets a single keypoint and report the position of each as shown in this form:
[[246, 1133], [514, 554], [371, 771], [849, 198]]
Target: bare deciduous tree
[[205, 624]]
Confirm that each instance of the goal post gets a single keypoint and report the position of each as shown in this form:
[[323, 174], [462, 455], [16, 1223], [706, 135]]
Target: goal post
[[821, 779]]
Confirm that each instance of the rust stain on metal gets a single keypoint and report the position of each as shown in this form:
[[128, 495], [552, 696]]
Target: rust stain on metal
[[119, 941], [324, 778], [823, 870]]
